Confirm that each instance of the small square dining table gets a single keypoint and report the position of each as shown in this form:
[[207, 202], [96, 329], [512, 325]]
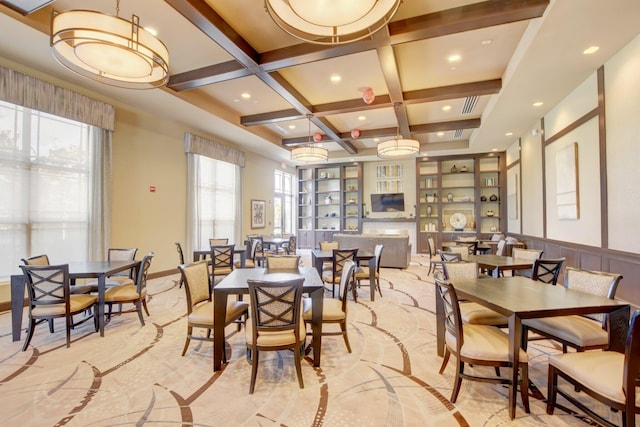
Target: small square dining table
[[318, 258], [520, 298], [236, 283], [200, 254], [498, 263], [99, 270]]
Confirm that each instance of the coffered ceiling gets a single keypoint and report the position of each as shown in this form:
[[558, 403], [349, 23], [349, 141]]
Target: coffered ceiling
[[237, 76]]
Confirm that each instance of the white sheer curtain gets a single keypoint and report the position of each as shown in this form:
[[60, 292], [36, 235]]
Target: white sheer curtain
[[99, 233], [214, 192]]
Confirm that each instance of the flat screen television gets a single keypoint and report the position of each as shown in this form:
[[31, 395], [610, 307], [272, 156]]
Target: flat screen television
[[387, 202]]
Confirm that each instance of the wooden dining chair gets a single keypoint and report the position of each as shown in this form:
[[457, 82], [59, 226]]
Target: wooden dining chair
[[328, 246], [472, 312], [607, 376], [587, 332], [135, 294], [525, 254], [218, 241], [221, 261], [180, 260], [49, 295], [546, 270], [435, 262], [462, 250], [364, 272], [197, 286], [275, 323], [476, 345], [339, 257], [447, 256], [122, 278], [333, 310]]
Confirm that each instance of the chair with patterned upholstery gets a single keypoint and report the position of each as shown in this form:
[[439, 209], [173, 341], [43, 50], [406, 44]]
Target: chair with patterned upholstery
[[462, 250], [476, 345], [546, 270], [216, 241], [333, 310], [525, 254], [197, 285], [275, 323], [450, 256], [472, 312], [587, 332], [49, 294], [283, 262], [122, 278], [132, 293], [435, 262], [180, 260], [328, 246], [472, 245], [290, 247], [607, 376]]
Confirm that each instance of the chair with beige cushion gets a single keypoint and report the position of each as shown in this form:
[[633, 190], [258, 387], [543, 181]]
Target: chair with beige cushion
[[607, 376], [180, 260], [283, 262], [580, 332], [49, 294], [218, 241], [339, 257], [525, 254], [546, 270], [197, 286], [435, 262], [500, 247], [132, 293], [364, 273], [122, 278], [462, 250], [326, 246], [289, 247], [476, 345], [472, 312], [251, 260], [333, 310], [450, 256], [221, 261], [275, 323]]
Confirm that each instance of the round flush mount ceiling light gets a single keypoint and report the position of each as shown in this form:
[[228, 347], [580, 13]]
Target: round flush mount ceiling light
[[331, 21]]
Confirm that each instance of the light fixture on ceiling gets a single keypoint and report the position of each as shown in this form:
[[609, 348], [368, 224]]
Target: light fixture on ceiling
[[398, 147], [331, 21], [309, 153], [109, 49]]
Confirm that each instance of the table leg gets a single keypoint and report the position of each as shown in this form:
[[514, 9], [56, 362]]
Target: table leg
[[439, 324], [515, 336], [17, 304], [495, 272], [101, 288], [317, 263], [317, 299], [243, 259], [372, 278], [219, 315]]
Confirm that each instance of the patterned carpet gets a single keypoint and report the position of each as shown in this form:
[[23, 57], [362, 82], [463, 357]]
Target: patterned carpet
[[136, 376]]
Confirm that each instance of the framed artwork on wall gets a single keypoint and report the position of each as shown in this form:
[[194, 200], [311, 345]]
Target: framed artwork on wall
[[258, 213], [567, 189]]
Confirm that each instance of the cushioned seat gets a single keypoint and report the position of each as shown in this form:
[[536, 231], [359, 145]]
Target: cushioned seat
[[484, 343], [581, 331], [132, 293]]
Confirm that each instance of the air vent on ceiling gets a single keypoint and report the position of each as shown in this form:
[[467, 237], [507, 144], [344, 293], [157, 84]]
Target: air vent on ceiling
[[469, 104], [457, 134], [26, 7]]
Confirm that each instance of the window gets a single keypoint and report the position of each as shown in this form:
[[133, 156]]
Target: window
[[283, 210], [217, 198], [44, 187]]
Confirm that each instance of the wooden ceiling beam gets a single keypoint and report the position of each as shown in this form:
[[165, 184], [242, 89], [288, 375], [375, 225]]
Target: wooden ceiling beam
[[207, 75], [446, 126]]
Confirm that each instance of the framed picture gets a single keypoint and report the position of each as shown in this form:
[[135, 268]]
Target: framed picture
[[258, 213]]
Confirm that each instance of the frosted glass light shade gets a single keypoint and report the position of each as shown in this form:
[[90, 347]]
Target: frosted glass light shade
[[398, 147], [331, 21], [309, 154], [109, 49]]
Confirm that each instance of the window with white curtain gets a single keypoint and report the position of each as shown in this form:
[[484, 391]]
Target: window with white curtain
[[217, 194], [283, 206], [44, 187]]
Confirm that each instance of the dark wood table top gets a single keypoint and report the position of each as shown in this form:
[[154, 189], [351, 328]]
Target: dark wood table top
[[236, 281], [502, 262]]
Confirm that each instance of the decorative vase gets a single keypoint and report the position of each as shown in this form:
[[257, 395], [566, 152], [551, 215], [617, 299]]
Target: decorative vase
[[431, 199], [429, 211], [493, 198], [483, 198], [454, 169], [463, 169], [473, 225], [327, 200], [450, 197]]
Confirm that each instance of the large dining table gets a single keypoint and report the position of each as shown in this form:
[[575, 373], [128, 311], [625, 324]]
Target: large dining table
[[236, 283], [200, 254], [99, 270], [521, 298], [318, 258], [498, 263]]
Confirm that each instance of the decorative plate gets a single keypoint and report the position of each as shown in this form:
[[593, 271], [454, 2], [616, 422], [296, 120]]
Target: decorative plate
[[458, 221]]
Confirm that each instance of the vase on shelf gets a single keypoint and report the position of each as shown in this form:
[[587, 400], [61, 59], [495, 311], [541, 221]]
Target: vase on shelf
[[429, 211], [450, 197]]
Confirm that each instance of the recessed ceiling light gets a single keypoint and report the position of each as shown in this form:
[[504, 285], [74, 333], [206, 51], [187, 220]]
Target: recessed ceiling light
[[446, 108], [486, 42], [590, 50], [509, 133], [440, 134], [538, 104], [335, 78], [292, 126], [494, 149], [454, 58], [362, 118], [245, 95], [376, 139]]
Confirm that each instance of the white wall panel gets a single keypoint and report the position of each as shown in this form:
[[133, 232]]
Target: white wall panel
[[582, 100]]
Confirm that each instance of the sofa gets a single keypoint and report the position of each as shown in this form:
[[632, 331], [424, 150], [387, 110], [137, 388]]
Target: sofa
[[396, 252]]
